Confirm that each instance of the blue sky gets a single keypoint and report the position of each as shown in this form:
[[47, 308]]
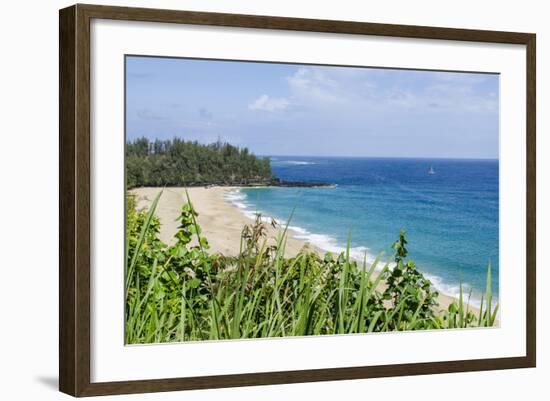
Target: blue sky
[[284, 109]]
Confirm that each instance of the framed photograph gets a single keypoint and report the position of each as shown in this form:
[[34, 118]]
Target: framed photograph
[[250, 200]]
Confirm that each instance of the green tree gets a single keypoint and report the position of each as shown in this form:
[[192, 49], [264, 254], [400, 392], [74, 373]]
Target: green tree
[[178, 162]]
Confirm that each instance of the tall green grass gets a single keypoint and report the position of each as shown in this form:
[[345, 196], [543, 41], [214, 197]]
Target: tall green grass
[[184, 292]]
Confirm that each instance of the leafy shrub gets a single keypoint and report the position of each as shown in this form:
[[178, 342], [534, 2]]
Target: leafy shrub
[[183, 292], [411, 293]]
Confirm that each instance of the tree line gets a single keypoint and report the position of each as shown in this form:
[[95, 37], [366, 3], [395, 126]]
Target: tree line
[[178, 162]]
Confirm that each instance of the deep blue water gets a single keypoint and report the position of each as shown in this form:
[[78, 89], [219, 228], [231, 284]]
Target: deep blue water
[[450, 217]]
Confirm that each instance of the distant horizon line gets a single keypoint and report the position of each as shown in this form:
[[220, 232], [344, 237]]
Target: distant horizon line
[[385, 157]]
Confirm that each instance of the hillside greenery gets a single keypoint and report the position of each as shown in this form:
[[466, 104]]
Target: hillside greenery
[[185, 292], [178, 162]]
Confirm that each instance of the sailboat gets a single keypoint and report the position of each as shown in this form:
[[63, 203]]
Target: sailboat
[[431, 170]]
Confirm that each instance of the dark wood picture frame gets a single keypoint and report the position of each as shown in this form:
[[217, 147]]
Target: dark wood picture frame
[[74, 199]]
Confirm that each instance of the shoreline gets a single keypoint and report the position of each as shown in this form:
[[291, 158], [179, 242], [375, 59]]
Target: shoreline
[[216, 210]]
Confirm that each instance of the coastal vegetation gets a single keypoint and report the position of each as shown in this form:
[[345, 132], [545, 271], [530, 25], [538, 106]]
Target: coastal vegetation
[[178, 162], [185, 292]]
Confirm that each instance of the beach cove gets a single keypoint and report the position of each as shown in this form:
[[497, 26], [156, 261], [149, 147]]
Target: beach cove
[[222, 221]]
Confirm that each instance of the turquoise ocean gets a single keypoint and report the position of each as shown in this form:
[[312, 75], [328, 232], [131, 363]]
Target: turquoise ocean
[[449, 209]]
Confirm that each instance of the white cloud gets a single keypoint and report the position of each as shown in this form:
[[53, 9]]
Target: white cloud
[[313, 85], [266, 103], [369, 91], [148, 114]]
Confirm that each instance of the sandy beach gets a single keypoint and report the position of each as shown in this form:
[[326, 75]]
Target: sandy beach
[[220, 220]]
